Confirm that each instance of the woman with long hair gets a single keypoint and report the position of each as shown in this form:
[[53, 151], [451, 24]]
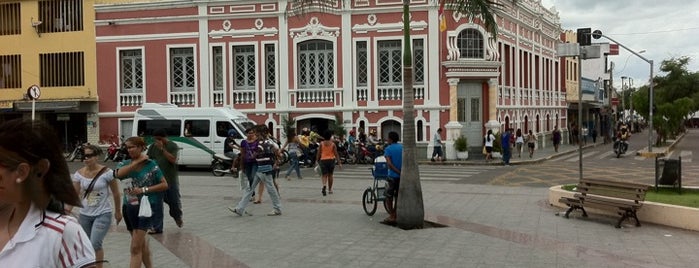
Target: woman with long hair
[[141, 176], [96, 184], [35, 185], [327, 157]]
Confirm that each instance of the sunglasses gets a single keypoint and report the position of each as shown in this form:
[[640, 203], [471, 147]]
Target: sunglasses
[[86, 156]]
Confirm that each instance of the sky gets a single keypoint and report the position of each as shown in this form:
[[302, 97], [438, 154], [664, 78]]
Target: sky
[[665, 29]]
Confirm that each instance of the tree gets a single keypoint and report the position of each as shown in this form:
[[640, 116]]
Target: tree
[[410, 210]]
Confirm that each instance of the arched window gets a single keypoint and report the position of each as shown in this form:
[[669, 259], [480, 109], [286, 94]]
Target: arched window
[[470, 42], [316, 64]]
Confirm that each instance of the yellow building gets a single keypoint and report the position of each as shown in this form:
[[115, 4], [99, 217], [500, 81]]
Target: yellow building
[[50, 44]]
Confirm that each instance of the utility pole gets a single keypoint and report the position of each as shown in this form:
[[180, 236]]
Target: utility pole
[[623, 98]]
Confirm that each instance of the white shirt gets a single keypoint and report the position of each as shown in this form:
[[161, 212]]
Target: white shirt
[[489, 139], [437, 140], [98, 201], [57, 241]]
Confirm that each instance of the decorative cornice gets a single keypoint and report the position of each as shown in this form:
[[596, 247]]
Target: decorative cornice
[[227, 31], [472, 68], [314, 29], [373, 25]]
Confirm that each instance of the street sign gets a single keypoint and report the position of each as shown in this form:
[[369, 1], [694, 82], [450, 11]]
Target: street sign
[[34, 92], [615, 101], [584, 36]]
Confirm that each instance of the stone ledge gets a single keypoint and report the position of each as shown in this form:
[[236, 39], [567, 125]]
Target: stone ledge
[[657, 213]]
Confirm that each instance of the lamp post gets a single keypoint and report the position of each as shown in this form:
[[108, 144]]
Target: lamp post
[[597, 34], [633, 117], [623, 98]]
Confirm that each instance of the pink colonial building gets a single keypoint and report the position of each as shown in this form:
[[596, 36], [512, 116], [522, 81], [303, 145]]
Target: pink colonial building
[[339, 63]]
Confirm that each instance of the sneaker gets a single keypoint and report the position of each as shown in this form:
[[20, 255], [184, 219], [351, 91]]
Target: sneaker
[[275, 213], [323, 191], [179, 222], [432, 159], [235, 210]]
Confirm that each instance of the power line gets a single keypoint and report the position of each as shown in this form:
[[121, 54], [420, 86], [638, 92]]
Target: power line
[[663, 31]]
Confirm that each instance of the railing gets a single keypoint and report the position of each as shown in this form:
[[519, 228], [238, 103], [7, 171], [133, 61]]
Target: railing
[[362, 93], [243, 96], [183, 98], [131, 99], [270, 95], [419, 91], [315, 95], [218, 97], [391, 92]]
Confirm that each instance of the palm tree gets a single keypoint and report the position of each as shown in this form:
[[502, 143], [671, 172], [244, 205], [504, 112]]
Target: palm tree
[[410, 210]]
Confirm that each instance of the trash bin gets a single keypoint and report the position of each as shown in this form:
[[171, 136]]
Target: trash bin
[[668, 172]]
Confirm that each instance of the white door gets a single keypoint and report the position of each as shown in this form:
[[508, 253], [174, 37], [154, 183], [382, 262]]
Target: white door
[[469, 111]]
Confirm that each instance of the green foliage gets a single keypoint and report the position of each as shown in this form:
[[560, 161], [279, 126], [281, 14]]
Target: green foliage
[[289, 125], [461, 144], [497, 143], [688, 198], [337, 127]]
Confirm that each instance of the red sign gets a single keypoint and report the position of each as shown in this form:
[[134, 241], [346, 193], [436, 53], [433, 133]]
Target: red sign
[[613, 49], [615, 101]]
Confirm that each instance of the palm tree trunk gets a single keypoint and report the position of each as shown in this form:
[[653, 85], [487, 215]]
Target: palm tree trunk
[[410, 211]]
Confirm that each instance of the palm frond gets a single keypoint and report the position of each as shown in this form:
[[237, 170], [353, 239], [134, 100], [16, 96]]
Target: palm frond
[[485, 9]]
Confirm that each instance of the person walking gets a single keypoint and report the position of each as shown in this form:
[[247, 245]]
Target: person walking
[[248, 165], [96, 184], [394, 160], [293, 147], [164, 152], [519, 141], [34, 185], [556, 138], [531, 143], [437, 146], [326, 158], [506, 146], [265, 136], [267, 158], [489, 139], [141, 177]]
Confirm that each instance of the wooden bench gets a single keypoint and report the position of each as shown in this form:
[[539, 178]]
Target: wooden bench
[[623, 197]]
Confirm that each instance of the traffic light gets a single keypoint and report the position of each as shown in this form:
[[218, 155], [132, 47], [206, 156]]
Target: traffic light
[[584, 36]]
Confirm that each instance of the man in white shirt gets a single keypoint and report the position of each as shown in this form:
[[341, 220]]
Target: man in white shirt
[[437, 143]]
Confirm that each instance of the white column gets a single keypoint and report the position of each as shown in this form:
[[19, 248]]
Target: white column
[[284, 51], [492, 106], [205, 99], [347, 64]]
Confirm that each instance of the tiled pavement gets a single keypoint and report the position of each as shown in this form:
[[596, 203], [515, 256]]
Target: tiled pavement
[[488, 226]]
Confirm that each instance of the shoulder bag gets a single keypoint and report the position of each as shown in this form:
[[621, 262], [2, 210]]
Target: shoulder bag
[[92, 183]]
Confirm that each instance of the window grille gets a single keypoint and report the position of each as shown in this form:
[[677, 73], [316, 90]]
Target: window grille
[[390, 63], [470, 42], [64, 69], [131, 71], [10, 71], [10, 19], [316, 64], [362, 63], [217, 68], [270, 70], [182, 64], [244, 66], [60, 16], [419, 62]]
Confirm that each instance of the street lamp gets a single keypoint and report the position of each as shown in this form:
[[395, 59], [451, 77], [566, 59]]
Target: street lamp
[[597, 34]]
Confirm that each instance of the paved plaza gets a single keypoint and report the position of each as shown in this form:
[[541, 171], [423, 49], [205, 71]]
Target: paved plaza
[[487, 226]]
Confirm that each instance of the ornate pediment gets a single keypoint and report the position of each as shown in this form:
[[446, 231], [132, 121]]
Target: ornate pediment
[[314, 29], [228, 31]]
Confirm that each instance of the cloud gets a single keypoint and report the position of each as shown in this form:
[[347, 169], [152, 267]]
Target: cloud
[[665, 29]]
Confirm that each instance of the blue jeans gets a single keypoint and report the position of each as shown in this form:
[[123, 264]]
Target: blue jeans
[[294, 165], [96, 227], [265, 178], [171, 197], [506, 154]]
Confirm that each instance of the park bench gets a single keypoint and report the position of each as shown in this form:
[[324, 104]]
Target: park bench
[[625, 198]]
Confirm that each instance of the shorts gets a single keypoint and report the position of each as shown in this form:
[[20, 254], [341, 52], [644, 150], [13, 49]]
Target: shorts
[[133, 221], [392, 187], [327, 166], [489, 149], [530, 145]]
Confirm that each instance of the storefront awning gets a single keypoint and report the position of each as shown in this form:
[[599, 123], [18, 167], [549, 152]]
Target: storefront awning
[[47, 106]]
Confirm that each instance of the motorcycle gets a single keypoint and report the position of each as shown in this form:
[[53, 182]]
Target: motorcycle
[[221, 165], [620, 147], [78, 152], [367, 153], [111, 150], [347, 156], [123, 153]]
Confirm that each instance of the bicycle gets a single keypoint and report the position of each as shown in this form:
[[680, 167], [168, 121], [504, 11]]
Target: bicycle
[[375, 193]]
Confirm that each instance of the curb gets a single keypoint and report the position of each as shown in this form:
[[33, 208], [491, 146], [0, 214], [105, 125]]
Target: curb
[[664, 152]]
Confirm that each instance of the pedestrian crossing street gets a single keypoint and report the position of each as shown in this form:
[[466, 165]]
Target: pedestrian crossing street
[[609, 154], [448, 173]]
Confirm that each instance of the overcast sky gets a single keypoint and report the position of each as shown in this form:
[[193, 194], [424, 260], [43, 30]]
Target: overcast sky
[[665, 29]]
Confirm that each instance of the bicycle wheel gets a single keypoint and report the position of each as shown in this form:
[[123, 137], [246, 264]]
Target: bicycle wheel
[[386, 202], [369, 201]]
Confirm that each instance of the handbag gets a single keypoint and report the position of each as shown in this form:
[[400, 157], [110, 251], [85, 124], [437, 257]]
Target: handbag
[[317, 170], [144, 209], [485, 152]]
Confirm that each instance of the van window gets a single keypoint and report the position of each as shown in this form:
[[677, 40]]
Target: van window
[[222, 128], [199, 128], [146, 127]]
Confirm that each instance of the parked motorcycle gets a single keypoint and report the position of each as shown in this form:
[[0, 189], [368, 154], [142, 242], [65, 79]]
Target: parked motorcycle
[[221, 165], [111, 150], [78, 152], [123, 153]]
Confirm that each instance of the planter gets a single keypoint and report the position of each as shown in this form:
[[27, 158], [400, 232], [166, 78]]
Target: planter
[[462, 155]]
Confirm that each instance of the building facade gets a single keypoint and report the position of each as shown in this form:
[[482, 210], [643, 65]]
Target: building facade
[[50, 44], [341, 62]]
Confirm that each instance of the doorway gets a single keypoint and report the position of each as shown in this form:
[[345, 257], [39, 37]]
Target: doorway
[[469, 97]]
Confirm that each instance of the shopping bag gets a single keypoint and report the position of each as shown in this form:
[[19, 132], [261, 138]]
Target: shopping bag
[[144, 210], [317, 170]]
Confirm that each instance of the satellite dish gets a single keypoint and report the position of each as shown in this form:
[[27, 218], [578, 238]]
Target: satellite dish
[[596, 34]]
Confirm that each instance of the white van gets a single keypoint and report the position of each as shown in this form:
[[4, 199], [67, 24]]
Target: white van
[[208, 128]]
